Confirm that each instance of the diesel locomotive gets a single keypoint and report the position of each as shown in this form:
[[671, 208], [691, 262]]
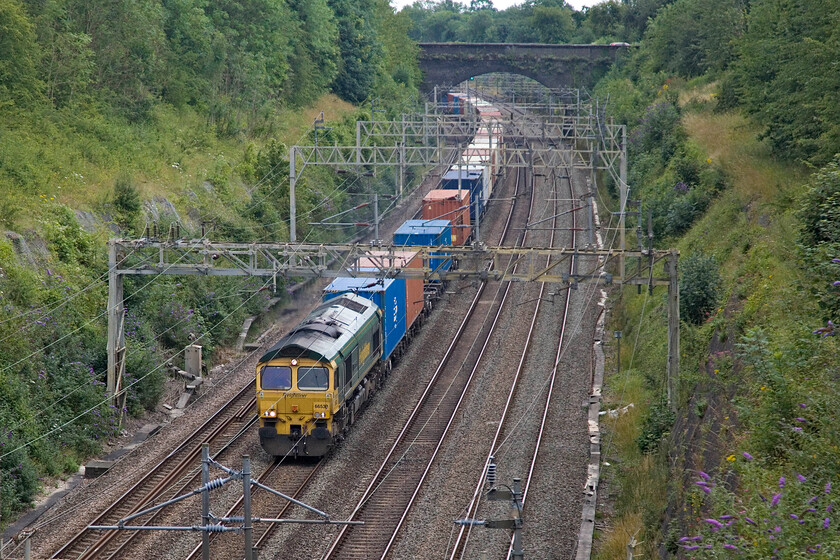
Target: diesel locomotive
[[312, 384]]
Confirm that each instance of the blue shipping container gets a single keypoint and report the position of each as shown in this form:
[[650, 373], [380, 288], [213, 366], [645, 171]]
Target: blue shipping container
[[426, 232], [472, 179], [388, 295]]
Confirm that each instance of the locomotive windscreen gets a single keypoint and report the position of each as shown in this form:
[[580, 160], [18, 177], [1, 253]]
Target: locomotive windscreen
[[313, 378], [277, 378]]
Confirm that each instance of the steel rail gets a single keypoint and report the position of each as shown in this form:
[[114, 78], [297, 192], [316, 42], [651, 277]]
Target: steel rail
[[463, 534], [460, 546], [85, 545], [374, 486]]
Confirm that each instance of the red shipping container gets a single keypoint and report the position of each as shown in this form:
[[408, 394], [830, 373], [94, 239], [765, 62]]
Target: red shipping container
[[444, 204], [413, 286]]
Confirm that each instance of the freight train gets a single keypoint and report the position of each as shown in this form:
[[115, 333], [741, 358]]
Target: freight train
[[312, 384]]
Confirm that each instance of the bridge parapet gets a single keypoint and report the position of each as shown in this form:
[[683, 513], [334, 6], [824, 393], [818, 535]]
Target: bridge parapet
[[447, 64]]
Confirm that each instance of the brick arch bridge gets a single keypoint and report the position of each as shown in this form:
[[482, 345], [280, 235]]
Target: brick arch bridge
[[448, 64]]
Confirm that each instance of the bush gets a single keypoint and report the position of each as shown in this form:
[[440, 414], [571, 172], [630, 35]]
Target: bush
[[68, 240], [19, 477], [126, 203], [819, 237], [820, 211], [658, 130], [699, 287], [656, 426]]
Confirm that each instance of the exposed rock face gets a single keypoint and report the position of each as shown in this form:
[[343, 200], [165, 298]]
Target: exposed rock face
[[32, 250], [159, 208]]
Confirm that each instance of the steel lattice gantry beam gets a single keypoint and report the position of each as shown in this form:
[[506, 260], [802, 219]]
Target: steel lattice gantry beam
[[532, 129], [271, 260], [427, 156], [608, 156], [206, 258]]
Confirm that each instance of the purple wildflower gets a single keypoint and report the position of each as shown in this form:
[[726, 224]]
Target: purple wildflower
[[690, 547], [835, 260], [775, 501], [794, 516], [814, 499], [730, 546], [801, 420], [747, 456], [836, 283], [750, 521], [797, 429], [781, 482], [828, 487], [803, 405], [704, 476], [800, 477], [726, 517], [825, 523], [717, 524]]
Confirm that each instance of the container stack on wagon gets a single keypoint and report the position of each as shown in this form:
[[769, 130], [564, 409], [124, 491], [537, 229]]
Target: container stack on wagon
[[312, 384], [452, 205], [395, 262]]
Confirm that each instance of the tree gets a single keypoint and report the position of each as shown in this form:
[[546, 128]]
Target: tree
[[314, 64], [692, 37], [479, 5], [129, 44], [606, 20], [359, 47], [638, 14], [552, 24], [195, 54], [19, 55], [787, 75], [67, 62]]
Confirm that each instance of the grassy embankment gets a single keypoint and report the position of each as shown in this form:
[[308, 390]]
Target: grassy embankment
[[53, 282], [75, 158], [728, 401]]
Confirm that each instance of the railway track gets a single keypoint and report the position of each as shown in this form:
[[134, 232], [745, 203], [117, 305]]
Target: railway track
[[459, 548], [388, 498], [226, 426]]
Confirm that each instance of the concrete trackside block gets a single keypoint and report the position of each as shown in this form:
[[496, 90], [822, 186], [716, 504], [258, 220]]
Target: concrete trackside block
[[96, 468], [593, 470], [185, 398]]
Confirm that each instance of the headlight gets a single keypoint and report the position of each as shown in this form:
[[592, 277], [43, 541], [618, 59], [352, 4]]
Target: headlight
[[271, 413]]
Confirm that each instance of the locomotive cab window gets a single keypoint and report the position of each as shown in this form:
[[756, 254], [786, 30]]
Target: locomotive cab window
[[277, 378], [313, 378]]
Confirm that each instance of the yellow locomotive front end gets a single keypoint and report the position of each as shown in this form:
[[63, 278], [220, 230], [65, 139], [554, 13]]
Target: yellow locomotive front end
[[296, 400], [307, 379]]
